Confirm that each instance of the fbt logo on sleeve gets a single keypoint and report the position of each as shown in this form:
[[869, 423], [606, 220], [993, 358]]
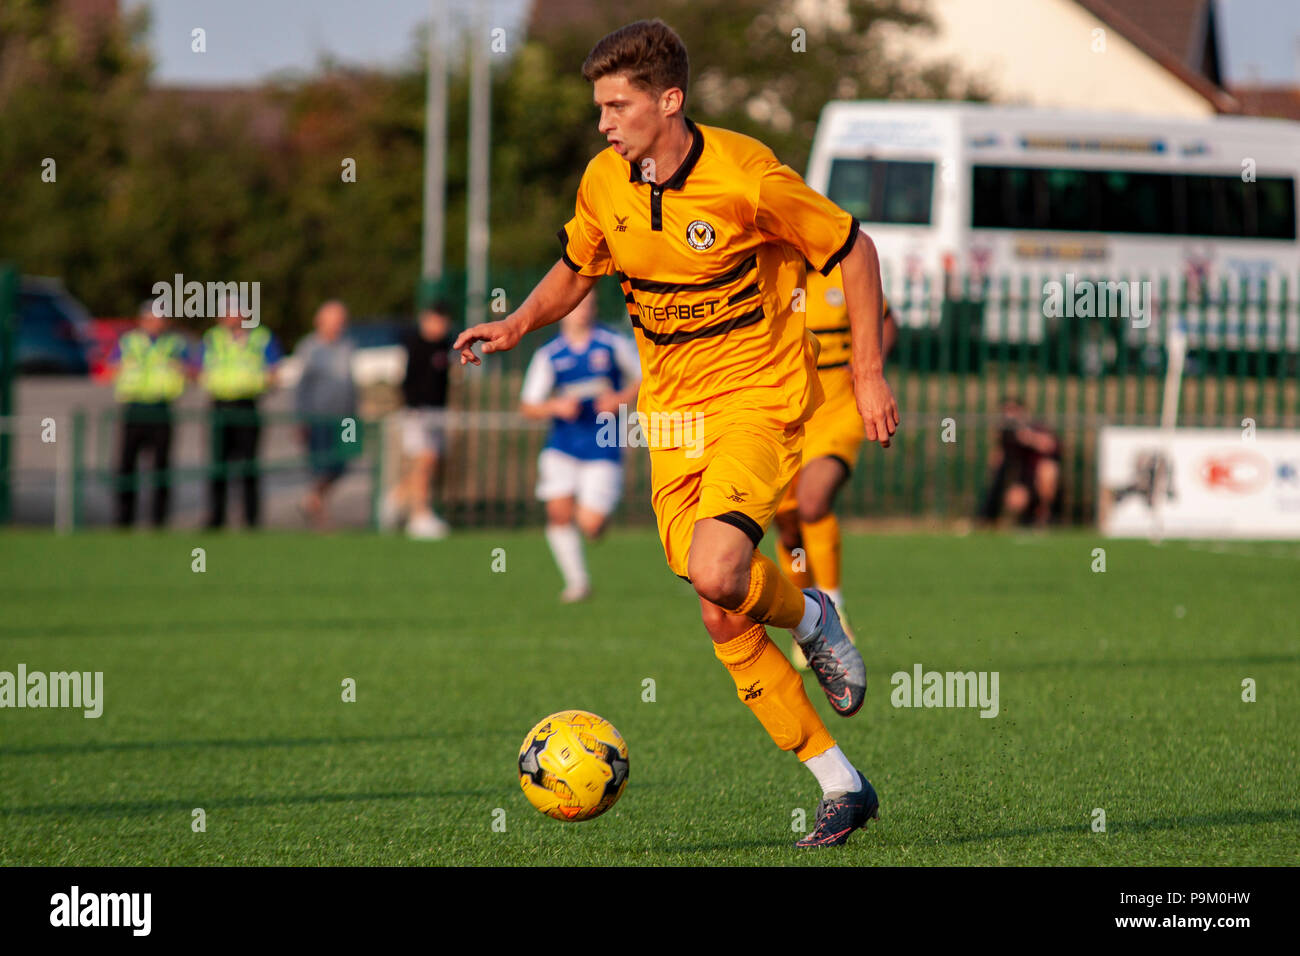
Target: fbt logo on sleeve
[[133, 910]]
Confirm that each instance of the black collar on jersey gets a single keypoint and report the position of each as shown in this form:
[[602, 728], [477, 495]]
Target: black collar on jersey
[[692, 157]]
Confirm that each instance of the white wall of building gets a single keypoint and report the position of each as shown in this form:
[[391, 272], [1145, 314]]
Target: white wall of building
[[1040, 53]]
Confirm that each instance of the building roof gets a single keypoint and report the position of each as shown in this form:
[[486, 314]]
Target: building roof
[[1179, 35], [1280, 101]]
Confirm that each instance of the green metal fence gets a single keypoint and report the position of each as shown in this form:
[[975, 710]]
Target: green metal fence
[[8, 363], [965, 344], [97, 436]]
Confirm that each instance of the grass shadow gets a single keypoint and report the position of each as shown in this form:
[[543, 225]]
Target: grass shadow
[[1227, 818], [129, 808]]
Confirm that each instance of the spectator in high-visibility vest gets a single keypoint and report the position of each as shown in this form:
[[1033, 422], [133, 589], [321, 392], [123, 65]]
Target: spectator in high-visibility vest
[[148, 365], [238, 367]]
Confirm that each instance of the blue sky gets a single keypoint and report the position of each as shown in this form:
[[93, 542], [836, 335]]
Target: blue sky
[[247, 39]]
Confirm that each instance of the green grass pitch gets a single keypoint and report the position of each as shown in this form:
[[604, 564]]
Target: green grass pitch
[[223, 691]]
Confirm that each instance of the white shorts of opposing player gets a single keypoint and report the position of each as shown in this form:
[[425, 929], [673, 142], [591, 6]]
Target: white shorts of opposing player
[[423, 431], [594, 486]]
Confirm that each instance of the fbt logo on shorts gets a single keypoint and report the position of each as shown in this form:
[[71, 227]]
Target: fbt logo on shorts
[[74, 909]]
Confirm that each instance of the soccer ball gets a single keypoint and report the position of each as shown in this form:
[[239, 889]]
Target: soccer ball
[[573, 765]]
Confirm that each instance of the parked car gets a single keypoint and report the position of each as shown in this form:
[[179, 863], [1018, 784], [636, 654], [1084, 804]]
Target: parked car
[[54, 335], [106, 333]]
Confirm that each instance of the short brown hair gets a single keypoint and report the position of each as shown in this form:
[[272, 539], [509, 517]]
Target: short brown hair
[[649, 53]]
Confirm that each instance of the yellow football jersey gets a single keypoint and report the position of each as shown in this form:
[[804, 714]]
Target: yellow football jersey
[[828, 318], [709, 261]]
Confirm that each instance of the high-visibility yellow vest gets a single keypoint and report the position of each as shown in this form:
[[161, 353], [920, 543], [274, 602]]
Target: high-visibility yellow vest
[[232, 367], [152, 370]]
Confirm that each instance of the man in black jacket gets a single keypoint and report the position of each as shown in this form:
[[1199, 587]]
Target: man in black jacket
[[424, 392]]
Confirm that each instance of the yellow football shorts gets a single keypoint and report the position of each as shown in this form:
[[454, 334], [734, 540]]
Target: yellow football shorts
[[834, 431], [736, 473]]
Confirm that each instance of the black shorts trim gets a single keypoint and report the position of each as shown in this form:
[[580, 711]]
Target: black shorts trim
[[832, 365], [745, 523], [848, 468]]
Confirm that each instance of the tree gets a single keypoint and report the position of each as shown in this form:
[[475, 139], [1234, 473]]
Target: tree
[[247, 185]]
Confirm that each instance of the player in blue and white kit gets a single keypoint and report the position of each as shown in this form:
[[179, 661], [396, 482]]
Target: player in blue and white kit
[[579, 379]]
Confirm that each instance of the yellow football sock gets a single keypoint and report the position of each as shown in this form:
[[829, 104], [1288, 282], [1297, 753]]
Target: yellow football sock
[[773, 690], [801, 579], [822, 541], [773, 598]]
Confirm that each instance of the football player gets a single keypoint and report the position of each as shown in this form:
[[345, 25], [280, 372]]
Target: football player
[[708, 233], [579, 380], [805, 519]]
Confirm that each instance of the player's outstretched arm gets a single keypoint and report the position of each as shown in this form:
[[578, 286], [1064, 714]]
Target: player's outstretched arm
[[552, 299], [864, 299]]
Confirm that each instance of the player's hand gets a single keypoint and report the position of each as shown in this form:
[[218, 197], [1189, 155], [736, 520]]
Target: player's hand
[[499, 336], [608, 402], [567, 407], [878, 409]]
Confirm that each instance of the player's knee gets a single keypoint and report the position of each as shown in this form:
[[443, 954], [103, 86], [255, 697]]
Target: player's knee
[[559, 511], [592, 528], [719, 582], [1048, 476], [1017, 499], [713, 616], [814, 509]]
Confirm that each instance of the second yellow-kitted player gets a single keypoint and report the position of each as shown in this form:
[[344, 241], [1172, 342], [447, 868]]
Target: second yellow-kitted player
[[808, 533]]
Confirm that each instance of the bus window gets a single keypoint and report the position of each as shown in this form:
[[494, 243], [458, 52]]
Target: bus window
[[883, 191], [850, 187], [1136, 202], [1068, 204], [908, 188], [1200, 202], [1132, 202], [1275, 207]]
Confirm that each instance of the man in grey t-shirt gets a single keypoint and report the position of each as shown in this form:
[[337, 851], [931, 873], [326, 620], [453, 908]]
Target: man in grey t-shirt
[[326, 403]]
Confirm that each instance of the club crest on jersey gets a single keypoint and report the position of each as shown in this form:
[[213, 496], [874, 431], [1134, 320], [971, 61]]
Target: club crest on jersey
[[699, 235]]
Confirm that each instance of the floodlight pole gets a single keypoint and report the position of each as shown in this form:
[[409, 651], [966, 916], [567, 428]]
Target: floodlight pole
[[480, 111], [435, 147]]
